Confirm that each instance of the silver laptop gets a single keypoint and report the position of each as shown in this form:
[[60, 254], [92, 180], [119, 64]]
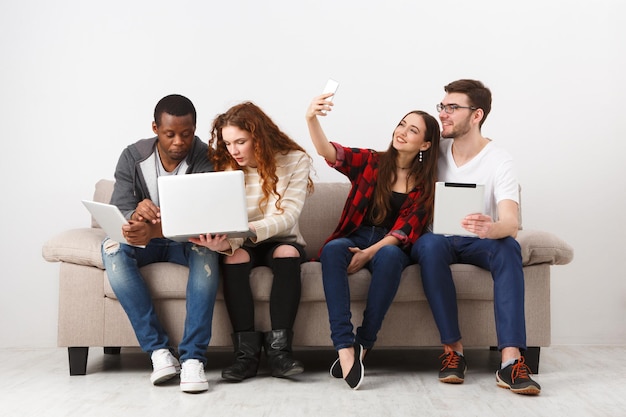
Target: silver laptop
[[109, 217], [195, 204], [453, 202]]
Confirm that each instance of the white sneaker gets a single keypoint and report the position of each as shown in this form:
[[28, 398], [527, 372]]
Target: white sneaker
[[165, 366], [192, 377]]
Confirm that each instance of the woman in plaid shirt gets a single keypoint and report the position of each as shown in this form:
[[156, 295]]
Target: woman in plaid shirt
[[389, 206]]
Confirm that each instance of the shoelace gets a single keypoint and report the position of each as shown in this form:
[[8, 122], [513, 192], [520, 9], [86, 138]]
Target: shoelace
[[163, 359], [451, 360], [193, 370], [520, 370]]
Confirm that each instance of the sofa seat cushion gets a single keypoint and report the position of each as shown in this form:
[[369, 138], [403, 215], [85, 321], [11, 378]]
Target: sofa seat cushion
[[82, 247], [169, 281]]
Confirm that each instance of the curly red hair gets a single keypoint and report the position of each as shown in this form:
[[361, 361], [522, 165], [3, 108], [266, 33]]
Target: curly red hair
[[267, 139]]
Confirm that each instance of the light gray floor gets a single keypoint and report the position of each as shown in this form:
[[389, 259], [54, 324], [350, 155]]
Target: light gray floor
[[576, 381]]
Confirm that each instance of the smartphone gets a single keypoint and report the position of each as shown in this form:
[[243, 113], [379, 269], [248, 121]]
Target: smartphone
[[331, 87]]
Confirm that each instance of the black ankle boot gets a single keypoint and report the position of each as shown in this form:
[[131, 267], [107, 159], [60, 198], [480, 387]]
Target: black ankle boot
[[247, 354], [278, 351]]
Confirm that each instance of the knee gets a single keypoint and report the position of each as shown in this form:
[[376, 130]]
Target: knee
[[390, 253], [286, 251], [333, 249], [200, 250], [390, 258], [426, 246], [117, 260], [509, 245], [240, 256], [115, 255], [507, 250], [110, 247]]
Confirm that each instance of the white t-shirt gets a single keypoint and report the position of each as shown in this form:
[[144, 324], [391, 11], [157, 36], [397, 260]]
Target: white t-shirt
[[492, 167], [152, 168]]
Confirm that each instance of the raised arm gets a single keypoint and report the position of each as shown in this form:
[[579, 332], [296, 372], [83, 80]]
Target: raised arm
[[320, 106]]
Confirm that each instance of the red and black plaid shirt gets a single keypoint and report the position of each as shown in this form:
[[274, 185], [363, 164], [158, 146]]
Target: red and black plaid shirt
[[361, 167]]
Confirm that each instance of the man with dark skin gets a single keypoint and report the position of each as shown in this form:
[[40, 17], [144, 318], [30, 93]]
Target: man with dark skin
[[175, 150]]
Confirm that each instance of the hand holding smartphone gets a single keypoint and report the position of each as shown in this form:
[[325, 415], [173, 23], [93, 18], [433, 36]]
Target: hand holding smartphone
[[331, 87]]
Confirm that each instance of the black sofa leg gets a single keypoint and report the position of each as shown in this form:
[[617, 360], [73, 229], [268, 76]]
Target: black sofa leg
[[78, 360], [112, 350], [531, 358]]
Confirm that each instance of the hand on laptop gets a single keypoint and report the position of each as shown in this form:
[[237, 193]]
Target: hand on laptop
[[139, 233], [213, 242], [146, 211]]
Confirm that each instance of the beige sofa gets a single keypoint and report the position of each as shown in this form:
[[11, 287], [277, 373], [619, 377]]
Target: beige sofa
[[91, 316]]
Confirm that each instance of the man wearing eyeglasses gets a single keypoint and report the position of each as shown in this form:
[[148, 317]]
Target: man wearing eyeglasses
[[469, 157]]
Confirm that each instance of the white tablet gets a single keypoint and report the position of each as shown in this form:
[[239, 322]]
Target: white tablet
[[109, 217], [453, 202]]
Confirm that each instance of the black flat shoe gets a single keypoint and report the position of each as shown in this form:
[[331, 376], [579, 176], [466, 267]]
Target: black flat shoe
[[355, 376], [335, 369]]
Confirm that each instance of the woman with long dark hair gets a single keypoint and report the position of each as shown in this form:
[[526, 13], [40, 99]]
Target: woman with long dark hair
[[388, 207]]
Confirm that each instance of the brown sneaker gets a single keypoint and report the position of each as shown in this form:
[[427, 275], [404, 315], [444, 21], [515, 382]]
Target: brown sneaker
[[453, 367], [516, 377]]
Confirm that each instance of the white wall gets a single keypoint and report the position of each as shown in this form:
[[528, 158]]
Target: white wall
[[79, 82]]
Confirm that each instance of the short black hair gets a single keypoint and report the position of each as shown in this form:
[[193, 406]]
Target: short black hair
[[176, 105]]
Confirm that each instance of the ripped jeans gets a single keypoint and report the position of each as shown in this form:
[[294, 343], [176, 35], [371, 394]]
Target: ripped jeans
[[122, 263]]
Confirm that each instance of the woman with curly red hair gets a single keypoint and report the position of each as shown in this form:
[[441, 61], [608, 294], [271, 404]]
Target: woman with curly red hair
[[277, 182]]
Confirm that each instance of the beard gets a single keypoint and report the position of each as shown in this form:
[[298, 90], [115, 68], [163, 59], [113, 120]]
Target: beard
[[456, 130]]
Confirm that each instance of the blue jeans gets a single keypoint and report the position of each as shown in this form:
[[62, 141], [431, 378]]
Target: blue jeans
[[502, 257], [386, 269], [122, 263]]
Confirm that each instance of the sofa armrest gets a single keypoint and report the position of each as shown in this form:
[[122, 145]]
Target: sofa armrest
[[540, 247], [76, 246]]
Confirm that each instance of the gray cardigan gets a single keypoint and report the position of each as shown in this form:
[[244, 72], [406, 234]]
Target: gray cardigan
[[132, 184]]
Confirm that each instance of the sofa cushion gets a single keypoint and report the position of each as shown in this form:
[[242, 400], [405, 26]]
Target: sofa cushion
[[76, 246], [319, 218], [540, 247], [82, 246], [320, 214], [169, 281]]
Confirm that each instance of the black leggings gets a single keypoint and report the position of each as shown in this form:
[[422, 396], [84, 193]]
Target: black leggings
[[284, 296]]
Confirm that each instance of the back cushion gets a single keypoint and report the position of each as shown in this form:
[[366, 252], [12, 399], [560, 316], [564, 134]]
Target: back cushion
[[321, 213]]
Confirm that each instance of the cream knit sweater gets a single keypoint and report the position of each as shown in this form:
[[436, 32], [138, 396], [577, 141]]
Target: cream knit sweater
[[292, 170]]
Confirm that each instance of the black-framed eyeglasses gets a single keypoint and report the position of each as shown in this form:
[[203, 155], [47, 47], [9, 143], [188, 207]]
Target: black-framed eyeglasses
[[450, 108]]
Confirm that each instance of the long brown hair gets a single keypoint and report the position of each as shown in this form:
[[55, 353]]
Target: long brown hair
[[267, 140], [423, 174]]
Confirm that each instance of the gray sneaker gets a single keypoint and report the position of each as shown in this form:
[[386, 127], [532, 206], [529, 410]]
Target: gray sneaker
[[164, 366], [453, 367], [516, 377]]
